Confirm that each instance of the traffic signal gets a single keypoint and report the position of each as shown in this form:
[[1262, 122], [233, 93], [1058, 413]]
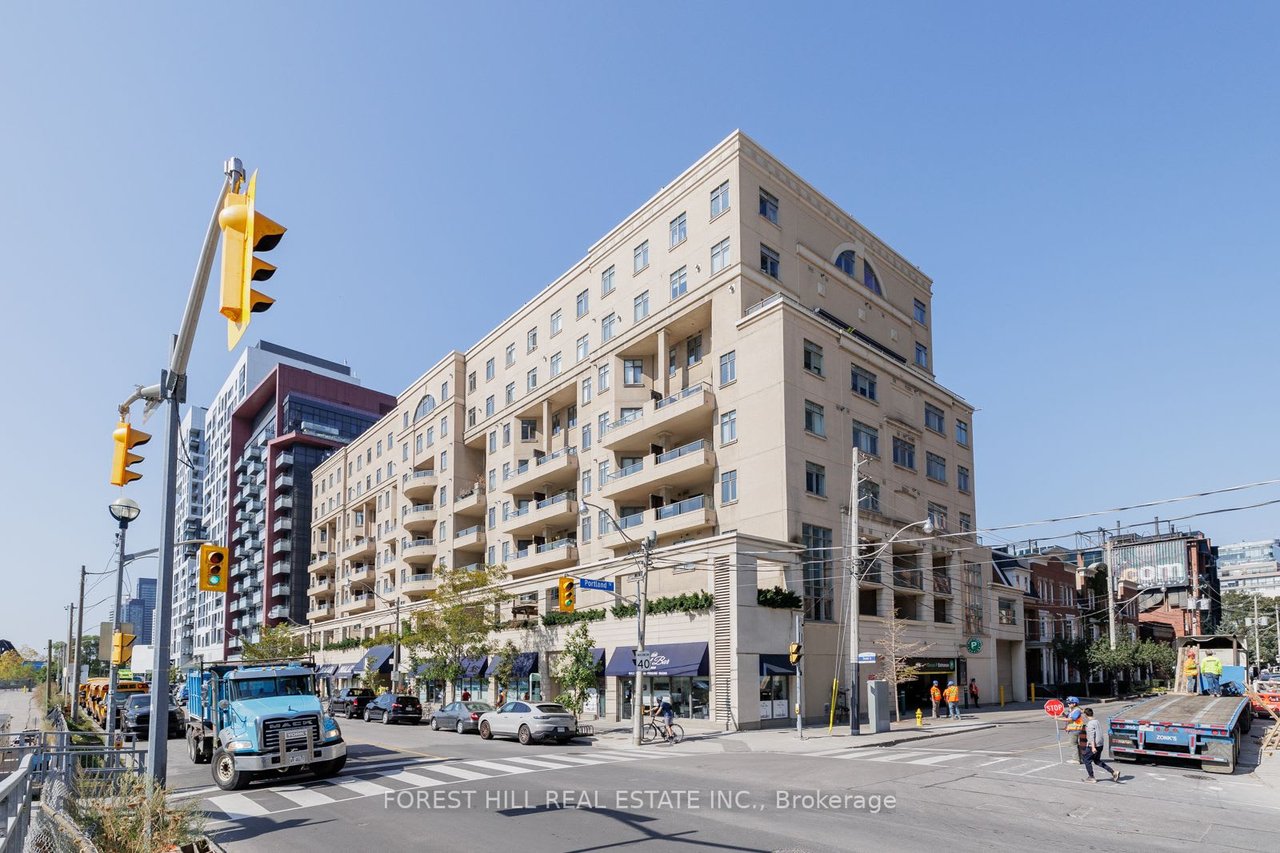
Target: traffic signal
[[793, 653], [126, 438], [568, 594], [244, 231], [122, 647], [213, 568]]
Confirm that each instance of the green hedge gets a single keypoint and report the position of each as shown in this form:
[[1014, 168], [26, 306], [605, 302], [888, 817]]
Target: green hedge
[[558, 618], [686, 602], [778, 597]]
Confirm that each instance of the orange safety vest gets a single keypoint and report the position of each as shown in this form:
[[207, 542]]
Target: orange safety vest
[[953, 694], [935, 694]]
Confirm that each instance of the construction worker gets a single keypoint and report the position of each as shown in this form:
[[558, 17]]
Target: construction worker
[[1075, 726], [935, 696], [952, 695], [1191, 671], [1211, 674]]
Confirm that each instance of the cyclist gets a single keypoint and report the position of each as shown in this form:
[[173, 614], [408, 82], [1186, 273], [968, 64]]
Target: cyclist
[[668, 715]]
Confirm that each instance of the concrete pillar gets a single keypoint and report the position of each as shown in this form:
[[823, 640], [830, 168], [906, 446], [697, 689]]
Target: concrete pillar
[[546, 427], [661, 380]]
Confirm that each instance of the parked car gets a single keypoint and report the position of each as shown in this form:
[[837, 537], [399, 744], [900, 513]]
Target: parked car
[[137, 716], [391, 708], [350, 701], [180, 694], [462, 717], [530, 721]]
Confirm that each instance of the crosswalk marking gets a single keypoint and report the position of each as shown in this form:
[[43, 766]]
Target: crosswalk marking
[[577, 759], [303, 796], [238, 806], [896, 756], [937, 759], [358, 785], [453, 770], [500, 767], [537, 762]]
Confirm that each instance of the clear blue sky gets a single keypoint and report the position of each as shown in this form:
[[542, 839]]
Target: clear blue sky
[[1093, 189]]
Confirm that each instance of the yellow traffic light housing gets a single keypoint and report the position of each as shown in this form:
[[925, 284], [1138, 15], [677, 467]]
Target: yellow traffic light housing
[[568, 594], [126, 438], [213, 568], [122, 647], [245, 230], [793, 653]]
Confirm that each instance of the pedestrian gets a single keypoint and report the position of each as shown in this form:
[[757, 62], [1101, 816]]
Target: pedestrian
[[1211, 674], [1191, 671], [466, 696], [935, 696], [502, 698], [973, 692], [952, 695], [1075, 726], [1092, 751]]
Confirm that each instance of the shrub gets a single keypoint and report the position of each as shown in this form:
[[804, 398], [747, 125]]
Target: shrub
[[117, 814], [778, 597]]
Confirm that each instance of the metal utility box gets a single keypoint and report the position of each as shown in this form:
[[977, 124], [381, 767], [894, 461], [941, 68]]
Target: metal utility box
[[879, 704]]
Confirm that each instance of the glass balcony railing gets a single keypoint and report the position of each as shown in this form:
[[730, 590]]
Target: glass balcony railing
[[675, 398], [417, 508], [634, 415], [629, 521], [556, 499], [419, 475], [626, 471], [467, 531], [416, 543], [691, 447], [559, 543], [564, 451], [696, 502]]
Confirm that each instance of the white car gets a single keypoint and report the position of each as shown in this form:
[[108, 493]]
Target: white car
[[530, 721]]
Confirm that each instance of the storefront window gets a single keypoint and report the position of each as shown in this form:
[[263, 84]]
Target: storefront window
[[689, 695], [775, 693], [477, 687]]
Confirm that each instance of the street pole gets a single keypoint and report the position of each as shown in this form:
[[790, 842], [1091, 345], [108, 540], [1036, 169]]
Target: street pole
[[75, 666], [646, 551], [1277, 636], [66, 652], [115, 629], [800, 677], [395, 677], [48, 674], [1111, 592], [1257, 644], [853, 577]]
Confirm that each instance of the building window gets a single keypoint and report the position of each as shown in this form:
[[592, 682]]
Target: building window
[[866, 438], [922, 355], [819, 596], [814, 418], [938, 515], [768, 261], [583, 348], [531, 379], [531, 340], [632, 371], [679, 283], [493, 441], [528, 429], [966, 522], [557, 322], [586, 528], [586, 390], [425, 405], [934, 419], [444, 390], [471, 381], [471, 416], [640, 257], [815, 479], [720, 256], [489, 407], [640, 307], [962, 479], [904, 453], [728, 367], [869, 279], [511, 354], [606, 327], [869, 495], [673, 361], [511, 393], [584, 303], [693, 350], [586, 436], [586, 483], [728, 487], [679, 231], [444, 426], [863, 383], [813, 358], [845, 262], [728, 427], [921, 314], [555, 365], [506, 439], [602, 377], [606, 282], [719, 199], [769, 206], [962, 433], [490, 369], [444, 461], [1008, 611]]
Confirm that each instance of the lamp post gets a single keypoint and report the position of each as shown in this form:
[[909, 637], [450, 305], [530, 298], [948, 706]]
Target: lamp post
[[395, 670], [123, 510]]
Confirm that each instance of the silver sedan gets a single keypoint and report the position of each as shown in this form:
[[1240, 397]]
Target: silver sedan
[[462, 717], [530, 721]]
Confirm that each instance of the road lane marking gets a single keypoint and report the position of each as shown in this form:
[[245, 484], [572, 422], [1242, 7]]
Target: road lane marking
[[937, 759], [538, 762], [304, 797], [900, 756], [238, 807], [454, 770], [997, 761], [500, 767], [359, 786]]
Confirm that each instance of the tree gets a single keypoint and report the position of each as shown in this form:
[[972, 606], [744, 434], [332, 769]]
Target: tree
[[575, 668], [1075, 653], [459, 621], [1158, 657], [505, 667], [895, 651], [14, 668], [1237, 619], [276, 643], [1111, 661], [89, 655]]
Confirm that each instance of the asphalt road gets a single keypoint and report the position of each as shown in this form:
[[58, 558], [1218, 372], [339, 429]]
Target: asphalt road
[[996, 789]]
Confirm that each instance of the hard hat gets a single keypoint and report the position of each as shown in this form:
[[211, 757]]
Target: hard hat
[[1072, 700], [951, 684], [935, 683]]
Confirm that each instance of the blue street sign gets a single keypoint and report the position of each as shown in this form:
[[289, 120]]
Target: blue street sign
[[866, 657], [587, 583]]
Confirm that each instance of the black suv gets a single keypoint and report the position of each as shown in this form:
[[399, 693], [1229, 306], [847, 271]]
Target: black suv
[[137, 716], [350, 701], [391, 708]]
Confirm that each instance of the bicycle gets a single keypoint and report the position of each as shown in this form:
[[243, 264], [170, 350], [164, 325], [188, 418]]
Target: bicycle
[[652, 731]]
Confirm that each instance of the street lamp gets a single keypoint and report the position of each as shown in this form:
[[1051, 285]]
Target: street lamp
[[123, 510], [395, 670]]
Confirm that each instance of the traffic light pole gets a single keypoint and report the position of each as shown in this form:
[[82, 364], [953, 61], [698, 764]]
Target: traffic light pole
[[115, 630], [853, 576], [637, 694]]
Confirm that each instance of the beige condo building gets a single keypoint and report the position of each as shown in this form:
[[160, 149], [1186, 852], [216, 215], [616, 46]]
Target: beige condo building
[[702, 376]]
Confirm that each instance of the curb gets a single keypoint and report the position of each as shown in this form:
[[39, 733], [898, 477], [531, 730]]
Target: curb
[[904, 737]]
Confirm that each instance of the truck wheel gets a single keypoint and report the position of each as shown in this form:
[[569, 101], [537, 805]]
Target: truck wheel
[[326, 769], [225, 774]]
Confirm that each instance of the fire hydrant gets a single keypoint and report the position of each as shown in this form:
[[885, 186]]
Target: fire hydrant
[[919, 718]]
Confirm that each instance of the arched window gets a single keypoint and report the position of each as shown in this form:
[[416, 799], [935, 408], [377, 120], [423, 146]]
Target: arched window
[[869, 278], [425, 405], [845, 262]]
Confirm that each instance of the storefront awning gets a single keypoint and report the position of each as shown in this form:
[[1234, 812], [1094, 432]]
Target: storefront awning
[[597, 655], [474, 667], [375, 659], [525, 663], [665, 659], [776, 665], [422, 668], [326, 669], [346, 670]]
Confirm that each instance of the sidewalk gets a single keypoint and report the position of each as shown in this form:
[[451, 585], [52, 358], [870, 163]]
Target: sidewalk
[[18, 710]]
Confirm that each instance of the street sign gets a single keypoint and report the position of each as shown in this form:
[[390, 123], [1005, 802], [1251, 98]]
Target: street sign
[[643, 659], [974, 645], [1053, 708], [588, 583], [866, 657]]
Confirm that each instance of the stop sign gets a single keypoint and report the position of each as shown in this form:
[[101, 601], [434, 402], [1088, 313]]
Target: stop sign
[[1053, 708]]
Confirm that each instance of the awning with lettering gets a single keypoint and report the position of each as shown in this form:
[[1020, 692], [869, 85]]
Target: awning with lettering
[[326, 669], [776, 665], [664, 659], [344, 671]]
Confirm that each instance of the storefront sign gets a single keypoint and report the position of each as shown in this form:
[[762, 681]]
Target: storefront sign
[[929, 665]]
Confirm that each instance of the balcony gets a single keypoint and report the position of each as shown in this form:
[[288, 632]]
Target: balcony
[[360, 546], [417, 551], [279, 590], [322, 563], [362, 573], [684, 413], [278, 612], [557, 511], [282, 567], [419, 484], [908, 578], [358, 604], [418, 586], [469, 537], [321, 588], [237, 534], [684, 468], [419, 517], [540, 558], [559, 468], [942, 583], [282, 525], [283, 461], [320, 614], [687, 517], [282, 546], [284, 483], [469, 502], [283, 502]]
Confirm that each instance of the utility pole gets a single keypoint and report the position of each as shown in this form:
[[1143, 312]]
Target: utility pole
[[48, 673], [1257, 644], [637, 705], [1111, 589], [800, 677], [853, 577], [75, 665], [66, 653]]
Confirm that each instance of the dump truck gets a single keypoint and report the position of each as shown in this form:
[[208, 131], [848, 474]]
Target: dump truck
[[1208, 729], [260, 720]]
